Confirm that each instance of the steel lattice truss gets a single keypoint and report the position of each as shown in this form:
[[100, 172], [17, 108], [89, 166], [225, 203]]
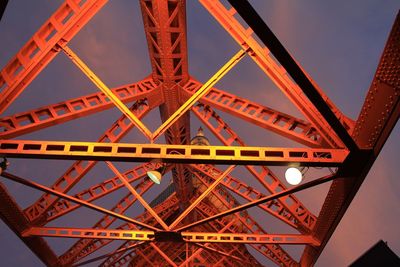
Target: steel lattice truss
[[201, 222]]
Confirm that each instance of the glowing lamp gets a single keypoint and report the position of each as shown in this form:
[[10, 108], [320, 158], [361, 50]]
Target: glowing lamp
[[293, 176], [155, 176]]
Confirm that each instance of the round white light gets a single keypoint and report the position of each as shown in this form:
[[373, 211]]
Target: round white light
[[293, 176], [155, 176]]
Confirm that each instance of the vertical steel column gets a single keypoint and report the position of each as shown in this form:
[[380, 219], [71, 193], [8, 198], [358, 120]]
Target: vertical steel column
[[165, 27]]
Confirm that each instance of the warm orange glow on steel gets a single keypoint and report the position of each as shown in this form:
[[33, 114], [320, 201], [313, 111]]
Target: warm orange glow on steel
[[125, 181], [96, 80], [204, 89], [201, 188], [39, 51], [201, 197]]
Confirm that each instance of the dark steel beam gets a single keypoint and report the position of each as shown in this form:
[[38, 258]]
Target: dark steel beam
[[378, 117], [262, 200], [3, 6], [73, 199], [260, 28]]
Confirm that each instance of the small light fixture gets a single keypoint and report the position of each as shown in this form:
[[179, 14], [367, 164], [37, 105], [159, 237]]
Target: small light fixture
[[293, 176], [156, 175]]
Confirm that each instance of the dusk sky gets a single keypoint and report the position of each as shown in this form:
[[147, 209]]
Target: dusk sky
[[338, 43]]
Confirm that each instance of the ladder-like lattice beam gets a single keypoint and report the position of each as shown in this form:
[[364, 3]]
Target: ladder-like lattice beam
[[40, 50], [172, 153]]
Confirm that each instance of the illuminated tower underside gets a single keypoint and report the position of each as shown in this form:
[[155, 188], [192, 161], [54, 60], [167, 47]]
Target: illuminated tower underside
[[198, 221]]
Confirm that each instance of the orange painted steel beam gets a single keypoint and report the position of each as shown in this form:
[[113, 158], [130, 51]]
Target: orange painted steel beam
[[84, 203], [156, 248], [267, 63], [172, 153], [290, 65], [163, 255], [202, 91], [150, 255], [378, 116], [108, 92], [145, 91], [165, 29], [278, 122], [79, 251], [226, 201], [165, 210], [130, 259], [273, 252], [262, 200], [12, 215], [186, 212], [73, 199], [192, 237], [131, 189], [165, 24], [230, 226], [274, 208], [144, 257], [90, 233], [173, 250], [198, 251], [118, 258], [137, 262], [178, 251], [131, 247], [34, 56], [120, 207], [63, 207], [288, 239], [225, 254], [301, 217], [78, 169]]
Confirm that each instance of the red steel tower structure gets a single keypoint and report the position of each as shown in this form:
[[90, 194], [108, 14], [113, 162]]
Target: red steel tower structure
[[197, 220]]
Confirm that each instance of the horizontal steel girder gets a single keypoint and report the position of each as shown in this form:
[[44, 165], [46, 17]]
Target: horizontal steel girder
[[40, 118], [198, 237], [85, 247], [172, 153]]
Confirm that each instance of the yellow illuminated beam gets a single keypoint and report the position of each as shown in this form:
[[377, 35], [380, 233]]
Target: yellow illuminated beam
[[201, 197], [137, 195], [96, 80], [199, 94]]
